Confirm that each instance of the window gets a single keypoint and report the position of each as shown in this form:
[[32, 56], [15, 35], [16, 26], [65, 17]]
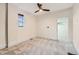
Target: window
[[20, 20]]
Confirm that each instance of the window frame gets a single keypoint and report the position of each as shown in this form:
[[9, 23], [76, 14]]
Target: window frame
[[20, 20]]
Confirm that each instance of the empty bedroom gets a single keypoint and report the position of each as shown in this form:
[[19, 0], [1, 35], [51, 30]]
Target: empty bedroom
[[39, 28]]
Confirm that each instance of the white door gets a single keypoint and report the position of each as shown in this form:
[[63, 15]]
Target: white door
[[62, 28]]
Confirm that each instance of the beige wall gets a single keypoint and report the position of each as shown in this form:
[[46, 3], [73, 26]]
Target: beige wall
[[50, 20], [20, 34], [76, 26], [2, 25], [44, 21]]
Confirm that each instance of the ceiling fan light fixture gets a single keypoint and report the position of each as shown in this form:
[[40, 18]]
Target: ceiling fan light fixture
[[40, 10]]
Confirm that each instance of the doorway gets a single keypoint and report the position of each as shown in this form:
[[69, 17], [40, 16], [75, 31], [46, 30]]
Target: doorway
[[64, 33], [62, 28]]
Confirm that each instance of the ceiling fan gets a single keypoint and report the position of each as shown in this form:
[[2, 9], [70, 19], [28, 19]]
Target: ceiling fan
[[40, 8]]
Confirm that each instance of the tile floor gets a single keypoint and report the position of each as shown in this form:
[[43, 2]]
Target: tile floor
[[37, 46]]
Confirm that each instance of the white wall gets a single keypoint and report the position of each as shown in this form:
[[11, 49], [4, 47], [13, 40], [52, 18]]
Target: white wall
[[51, 20], [20, 34], [2, 25], [76, 26], [44, 21]]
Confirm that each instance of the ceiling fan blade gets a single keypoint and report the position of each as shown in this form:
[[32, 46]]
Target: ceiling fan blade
[[39, 5], [45, 9], [36, 11]]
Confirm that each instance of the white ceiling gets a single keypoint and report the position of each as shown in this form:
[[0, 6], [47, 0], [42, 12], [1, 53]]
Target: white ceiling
[[32, 7]]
